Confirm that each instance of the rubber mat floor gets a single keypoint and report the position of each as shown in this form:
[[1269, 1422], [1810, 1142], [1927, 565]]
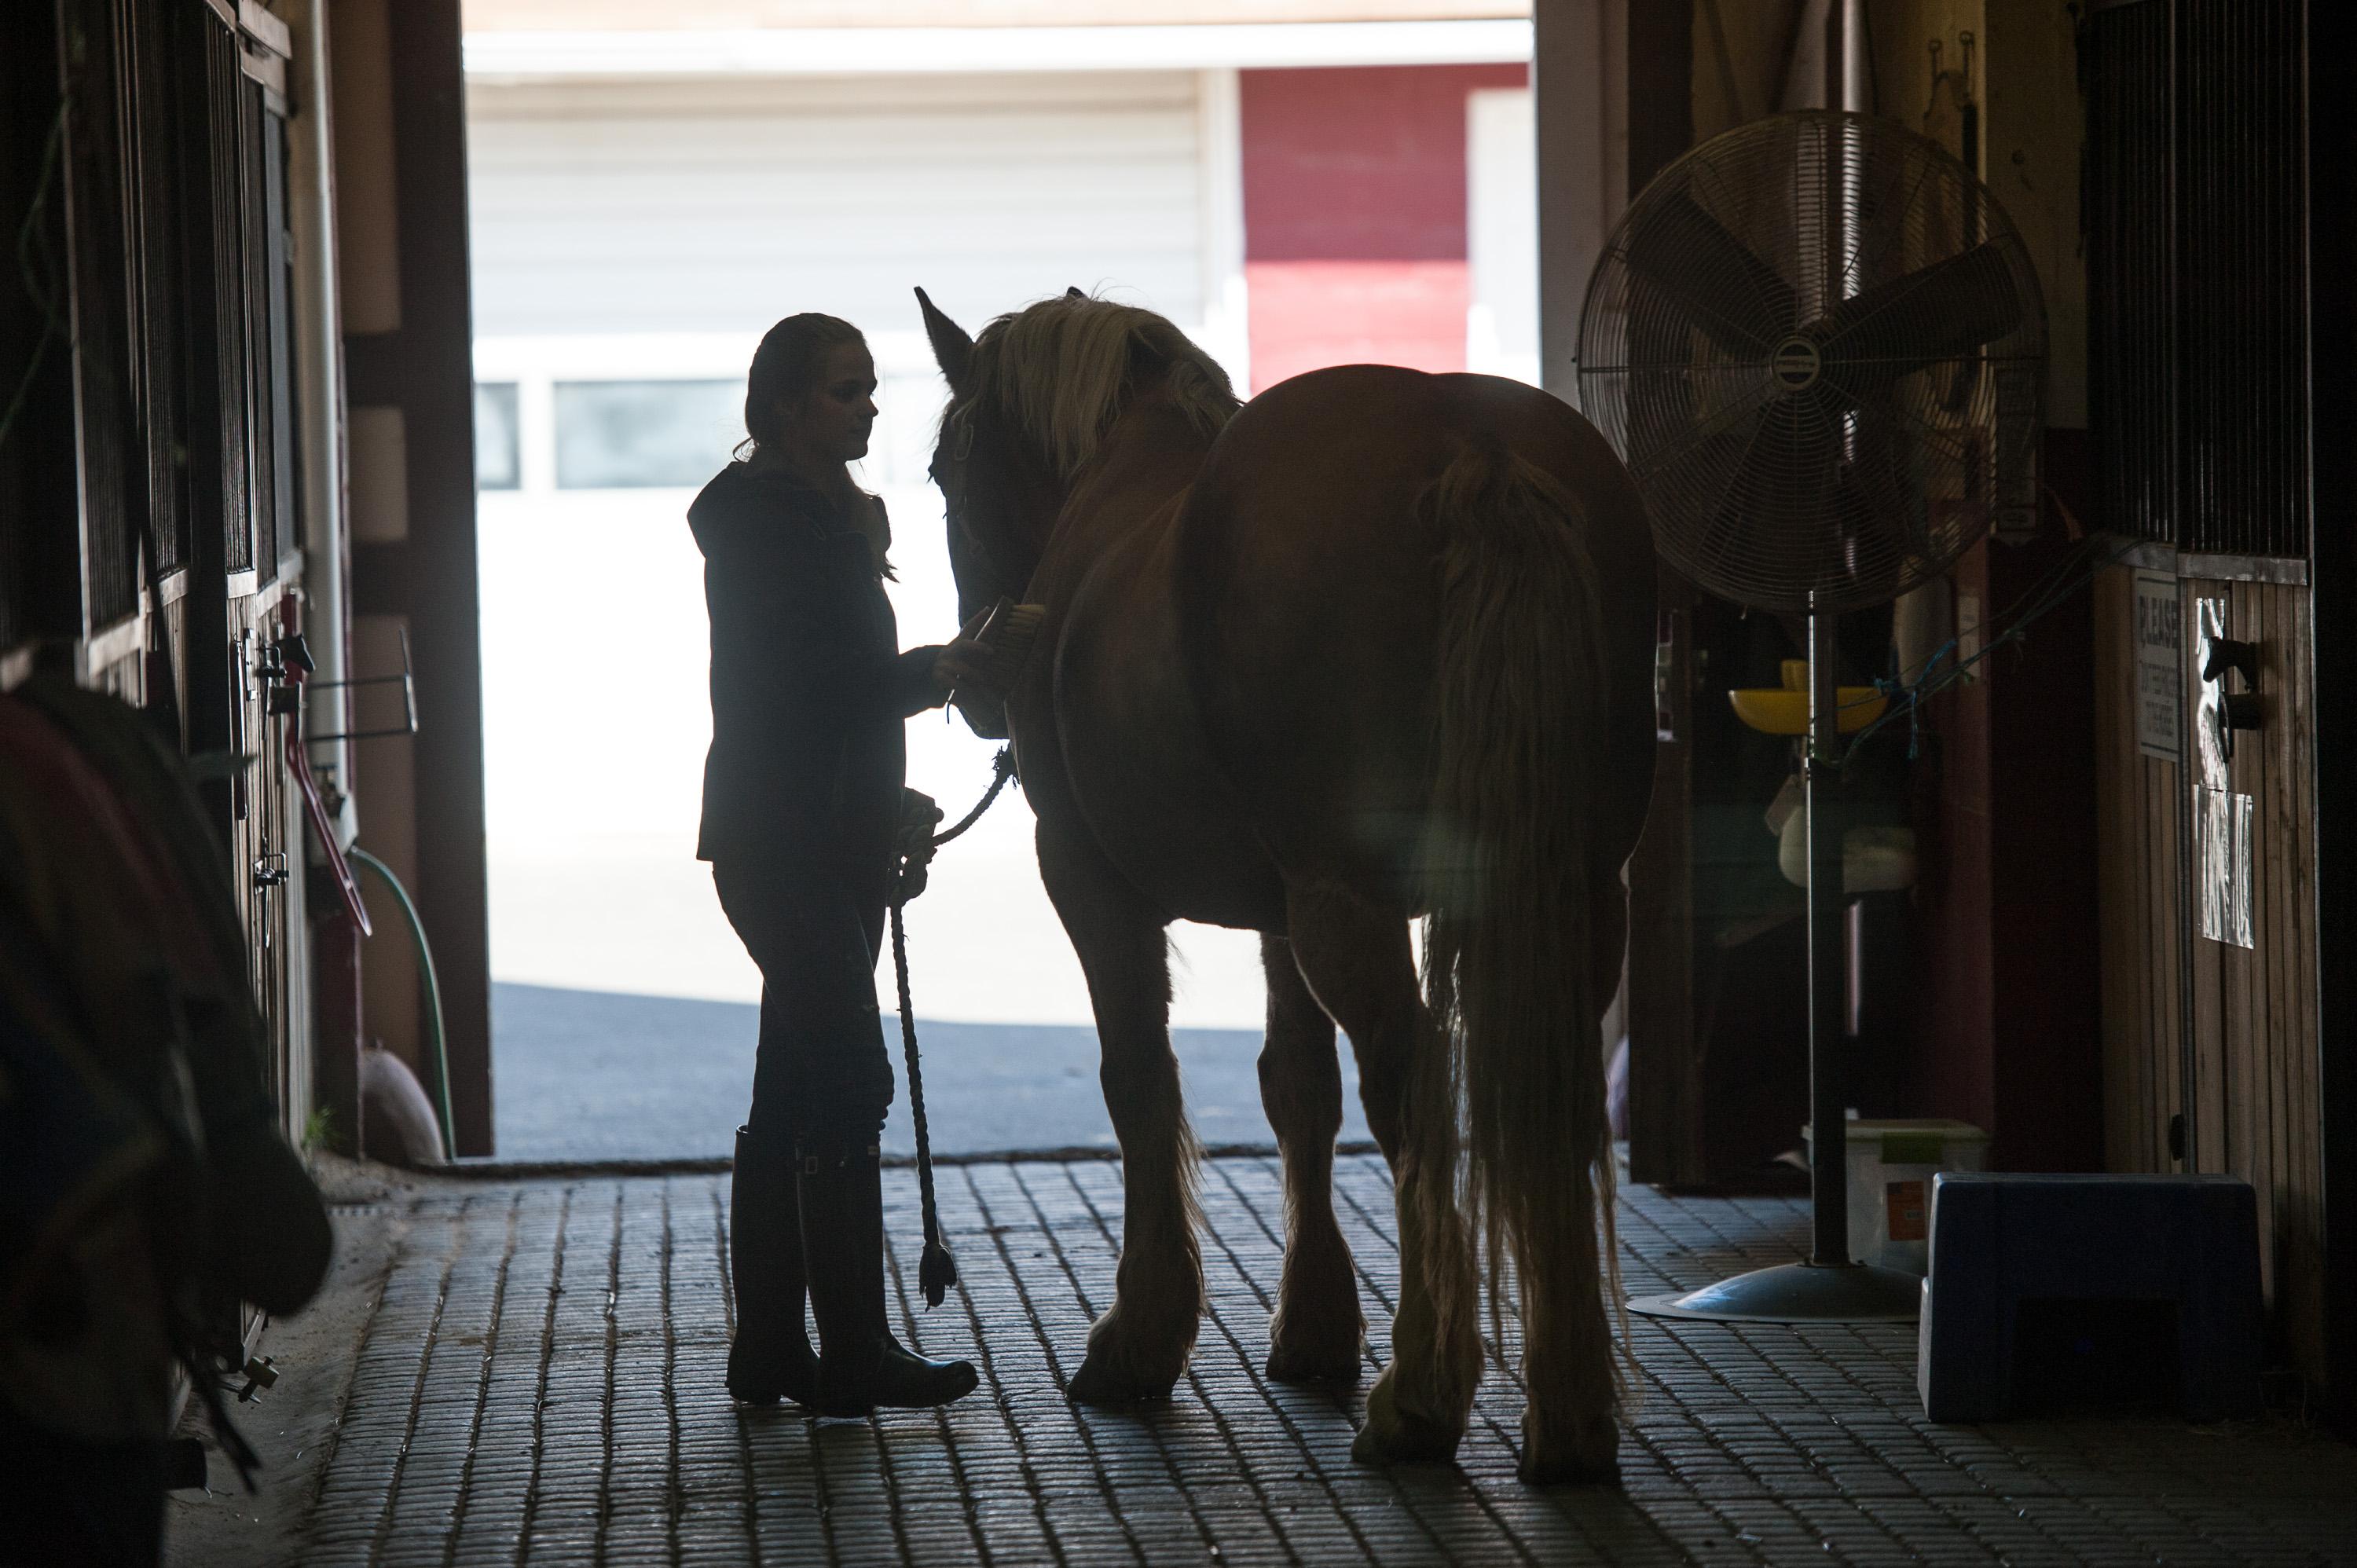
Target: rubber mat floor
[[533, 1375]]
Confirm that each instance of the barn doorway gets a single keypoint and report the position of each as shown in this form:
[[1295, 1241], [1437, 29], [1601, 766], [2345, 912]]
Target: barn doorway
[[644, 202]]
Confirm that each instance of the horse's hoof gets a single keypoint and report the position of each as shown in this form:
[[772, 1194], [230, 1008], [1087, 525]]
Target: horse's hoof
[[1587, 1454], [1134, 1355], [1396, 1436], [1315, 1334], [1102, 1380], [1313, 1364]]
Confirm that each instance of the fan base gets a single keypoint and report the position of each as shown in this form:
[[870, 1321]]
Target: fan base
[[1797, 1292]]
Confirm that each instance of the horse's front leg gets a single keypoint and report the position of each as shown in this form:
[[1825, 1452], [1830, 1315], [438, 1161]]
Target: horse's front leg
[[1139, 1347]]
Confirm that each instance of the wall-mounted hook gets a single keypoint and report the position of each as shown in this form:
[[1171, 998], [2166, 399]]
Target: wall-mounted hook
[[2222, 657], [261, 1373], [408, 685], [2229, 654]]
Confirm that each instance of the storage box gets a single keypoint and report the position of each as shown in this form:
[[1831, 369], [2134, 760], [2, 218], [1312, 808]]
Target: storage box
[[1891, 1163]]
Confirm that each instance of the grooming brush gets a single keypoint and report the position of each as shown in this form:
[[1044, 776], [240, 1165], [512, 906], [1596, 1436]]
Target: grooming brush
[[1003, 646]]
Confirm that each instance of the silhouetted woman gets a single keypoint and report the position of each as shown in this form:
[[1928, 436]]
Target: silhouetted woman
[[802, 803]]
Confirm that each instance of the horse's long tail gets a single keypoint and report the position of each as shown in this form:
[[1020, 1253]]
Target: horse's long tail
[[1511, 886]]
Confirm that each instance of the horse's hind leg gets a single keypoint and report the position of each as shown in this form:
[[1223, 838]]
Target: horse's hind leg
[[1138, 1348], [1570, 1425], [1354, 954], [1571, 1429], [1316, 1333]]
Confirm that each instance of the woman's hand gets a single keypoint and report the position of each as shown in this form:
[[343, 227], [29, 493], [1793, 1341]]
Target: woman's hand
[[920, 815], [963, 660]]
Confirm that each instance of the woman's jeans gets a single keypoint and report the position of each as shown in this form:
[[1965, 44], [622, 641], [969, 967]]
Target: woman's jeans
[[822, 1070]]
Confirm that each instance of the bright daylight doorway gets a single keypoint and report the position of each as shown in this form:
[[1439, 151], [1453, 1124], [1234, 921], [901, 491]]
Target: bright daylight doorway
[[645, 201]]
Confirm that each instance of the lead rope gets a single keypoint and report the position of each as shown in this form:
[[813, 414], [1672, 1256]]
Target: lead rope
[[938, 1271]]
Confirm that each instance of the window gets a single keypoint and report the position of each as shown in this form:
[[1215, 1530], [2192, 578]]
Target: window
[[637, 434], [497, 461]]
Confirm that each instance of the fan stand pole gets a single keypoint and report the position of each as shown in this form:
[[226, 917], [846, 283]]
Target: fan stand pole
[[1828, 1108], [1830, 1287]]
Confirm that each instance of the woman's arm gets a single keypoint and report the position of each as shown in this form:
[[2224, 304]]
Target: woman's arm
[[804, 663], [925, 677], [913, 685]]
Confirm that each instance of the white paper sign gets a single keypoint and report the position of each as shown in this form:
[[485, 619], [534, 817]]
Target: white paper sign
[[2158, 666], [2221, 843], [2209, 696]]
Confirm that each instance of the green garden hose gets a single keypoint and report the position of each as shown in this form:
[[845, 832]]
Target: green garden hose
[[359, 856]]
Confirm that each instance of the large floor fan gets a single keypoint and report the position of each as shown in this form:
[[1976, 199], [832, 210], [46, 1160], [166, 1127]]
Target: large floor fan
[[1819, 345]]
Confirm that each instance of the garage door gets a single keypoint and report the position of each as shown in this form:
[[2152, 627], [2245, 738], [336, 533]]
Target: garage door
[[717, 206]]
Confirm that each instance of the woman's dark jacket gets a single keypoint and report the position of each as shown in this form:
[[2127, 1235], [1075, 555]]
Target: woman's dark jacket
[[808, 689]]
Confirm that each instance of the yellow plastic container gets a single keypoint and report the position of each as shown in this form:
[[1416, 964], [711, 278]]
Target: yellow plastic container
[[1785, 710]]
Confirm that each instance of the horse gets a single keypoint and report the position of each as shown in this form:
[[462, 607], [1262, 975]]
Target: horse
[[1373, 647]]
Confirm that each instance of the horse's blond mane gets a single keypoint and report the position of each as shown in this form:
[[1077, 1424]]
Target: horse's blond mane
[[1061, 372]]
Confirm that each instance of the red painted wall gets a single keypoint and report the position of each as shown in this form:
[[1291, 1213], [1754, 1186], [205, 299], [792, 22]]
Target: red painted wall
[[1354, 215], [2008, 1022]]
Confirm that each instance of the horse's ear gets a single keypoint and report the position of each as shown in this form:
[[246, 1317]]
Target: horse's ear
[[1074, 293], [953, 350]]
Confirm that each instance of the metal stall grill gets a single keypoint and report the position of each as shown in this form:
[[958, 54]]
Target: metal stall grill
[[154, 206], [225, 98], [2131, 325], [94, 167], [274, 329], [2242, 436], [2196, 251]]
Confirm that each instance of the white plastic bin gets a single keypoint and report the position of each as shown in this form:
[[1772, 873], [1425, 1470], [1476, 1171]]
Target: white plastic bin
[[1891, 1163]]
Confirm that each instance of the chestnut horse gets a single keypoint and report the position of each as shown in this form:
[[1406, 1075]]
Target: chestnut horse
[[1377, 645]]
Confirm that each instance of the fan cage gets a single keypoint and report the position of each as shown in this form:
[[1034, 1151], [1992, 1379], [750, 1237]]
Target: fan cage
[[1818, 343]]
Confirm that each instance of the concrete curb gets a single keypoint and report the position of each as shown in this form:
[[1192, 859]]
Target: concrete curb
[[496, 1169]]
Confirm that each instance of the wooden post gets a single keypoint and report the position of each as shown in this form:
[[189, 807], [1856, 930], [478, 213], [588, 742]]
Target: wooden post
[[409, 351]]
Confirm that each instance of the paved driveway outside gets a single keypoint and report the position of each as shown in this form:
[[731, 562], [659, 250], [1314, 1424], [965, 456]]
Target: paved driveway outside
[[592, 1075]]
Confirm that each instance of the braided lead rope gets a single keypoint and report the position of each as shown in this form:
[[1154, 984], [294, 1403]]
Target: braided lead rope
[[938, 1271], [1004, 767]]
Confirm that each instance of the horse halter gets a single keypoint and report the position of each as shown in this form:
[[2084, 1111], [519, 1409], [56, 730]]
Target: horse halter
[[955, 448]]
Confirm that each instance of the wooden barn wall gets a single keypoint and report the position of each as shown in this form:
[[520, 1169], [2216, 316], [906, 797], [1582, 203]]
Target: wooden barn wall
[[398, 86], [2137, 871], [2254, 1111]]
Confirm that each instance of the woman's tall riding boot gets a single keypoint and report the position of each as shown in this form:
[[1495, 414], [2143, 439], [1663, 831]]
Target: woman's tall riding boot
[[861, 1364], [770, 1358]]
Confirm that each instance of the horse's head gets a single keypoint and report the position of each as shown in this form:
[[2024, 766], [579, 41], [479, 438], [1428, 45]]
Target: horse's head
[[1000, 496], [1032, 399]]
